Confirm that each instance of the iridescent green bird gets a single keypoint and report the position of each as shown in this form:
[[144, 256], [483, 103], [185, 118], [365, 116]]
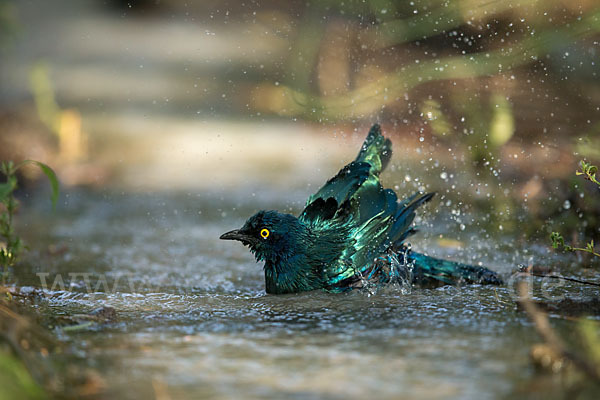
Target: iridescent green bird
[[350, 235]]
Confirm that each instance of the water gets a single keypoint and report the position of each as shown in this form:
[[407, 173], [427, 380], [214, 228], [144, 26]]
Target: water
[[193, 320], [183, 124]]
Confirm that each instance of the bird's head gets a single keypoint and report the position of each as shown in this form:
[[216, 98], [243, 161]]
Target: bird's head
[[269, 235]]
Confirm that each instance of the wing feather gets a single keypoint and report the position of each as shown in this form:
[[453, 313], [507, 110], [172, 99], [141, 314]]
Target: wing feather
[[354, 205]]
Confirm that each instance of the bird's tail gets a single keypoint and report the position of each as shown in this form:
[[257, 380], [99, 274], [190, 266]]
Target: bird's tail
[[429, 271]]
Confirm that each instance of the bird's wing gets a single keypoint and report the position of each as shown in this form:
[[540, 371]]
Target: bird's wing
[[389, 226], [355, 203], [357, 180], [376, 150], [334, 197]]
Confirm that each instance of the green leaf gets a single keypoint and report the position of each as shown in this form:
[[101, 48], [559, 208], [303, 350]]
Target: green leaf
[[557, 240], [590, 246], [5, 190], [51, 177], [583, 164]]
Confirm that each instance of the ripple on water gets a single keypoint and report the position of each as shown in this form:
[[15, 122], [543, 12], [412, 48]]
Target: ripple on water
[[192, 313]]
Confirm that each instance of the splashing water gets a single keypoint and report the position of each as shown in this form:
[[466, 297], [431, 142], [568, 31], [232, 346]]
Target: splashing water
[[192, 312]]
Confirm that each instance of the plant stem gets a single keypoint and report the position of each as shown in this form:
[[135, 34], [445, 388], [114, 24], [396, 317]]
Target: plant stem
[[586, 250], [544, 329]]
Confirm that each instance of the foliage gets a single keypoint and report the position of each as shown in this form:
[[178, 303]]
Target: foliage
[[9, 26], [558, 242], [588, 331], [64, 123], [16, 381], [557, 351], [43, 94], [589, 171], [298, 96], [486, 124], [11, 245], [588, 362]]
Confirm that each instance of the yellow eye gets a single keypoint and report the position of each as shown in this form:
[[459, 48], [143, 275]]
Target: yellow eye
[[264, 233]]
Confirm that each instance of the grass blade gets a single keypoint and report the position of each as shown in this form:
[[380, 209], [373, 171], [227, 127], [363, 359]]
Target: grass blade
[[49, 172]]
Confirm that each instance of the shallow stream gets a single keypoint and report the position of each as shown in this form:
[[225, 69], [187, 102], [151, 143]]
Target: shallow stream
[[193, 320]]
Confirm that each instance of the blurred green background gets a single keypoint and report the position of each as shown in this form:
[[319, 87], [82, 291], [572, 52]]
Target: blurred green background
[[488, 102]]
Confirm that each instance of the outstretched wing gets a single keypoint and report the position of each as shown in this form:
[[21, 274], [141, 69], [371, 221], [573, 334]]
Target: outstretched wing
[[354, 202], [339, 194], [333, 199], [389, 226]]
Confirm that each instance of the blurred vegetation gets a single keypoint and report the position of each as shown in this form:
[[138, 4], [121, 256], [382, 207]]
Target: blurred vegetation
[[393, 48], [15, 380], [8, 23], [65, 124], [44, 97], [23, 347], [11, 245], [33, 364], [491, 80], [554, 355], [504, 85], [579, 364], [588, 171]]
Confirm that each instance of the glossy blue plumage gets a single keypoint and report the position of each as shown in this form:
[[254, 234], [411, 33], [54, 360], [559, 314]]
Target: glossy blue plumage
[[350, 235]]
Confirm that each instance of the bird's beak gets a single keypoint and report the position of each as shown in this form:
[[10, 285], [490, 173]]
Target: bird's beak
[[233, 235], [237, 234]]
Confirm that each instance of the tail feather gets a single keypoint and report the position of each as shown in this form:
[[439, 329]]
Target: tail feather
[[430, 271]]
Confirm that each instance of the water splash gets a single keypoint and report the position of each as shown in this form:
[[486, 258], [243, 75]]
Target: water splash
[[402, 269]]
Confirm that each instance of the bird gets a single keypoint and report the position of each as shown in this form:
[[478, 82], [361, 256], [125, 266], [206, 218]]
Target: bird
[[351, 235]]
